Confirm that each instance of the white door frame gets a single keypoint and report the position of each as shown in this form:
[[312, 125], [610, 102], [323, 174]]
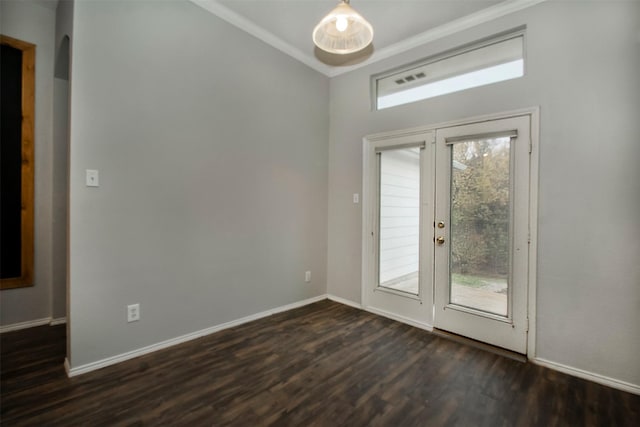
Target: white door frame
[[368, 246]]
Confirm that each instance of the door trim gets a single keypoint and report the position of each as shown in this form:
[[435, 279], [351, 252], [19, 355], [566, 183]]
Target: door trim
[[367, 247], [27, 168]]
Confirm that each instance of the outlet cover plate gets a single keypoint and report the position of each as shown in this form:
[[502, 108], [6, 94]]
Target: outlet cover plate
[[133, 313]]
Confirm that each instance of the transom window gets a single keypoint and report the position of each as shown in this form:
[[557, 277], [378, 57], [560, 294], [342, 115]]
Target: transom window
[[489, 61]]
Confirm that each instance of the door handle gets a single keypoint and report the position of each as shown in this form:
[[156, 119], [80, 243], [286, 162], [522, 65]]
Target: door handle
[[440, 240]]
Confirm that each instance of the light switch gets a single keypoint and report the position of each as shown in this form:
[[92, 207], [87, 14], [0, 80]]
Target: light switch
[[356, 198], [92, 178]]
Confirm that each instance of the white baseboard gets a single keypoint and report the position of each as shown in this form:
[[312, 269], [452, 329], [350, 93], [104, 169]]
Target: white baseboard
[[590, 376], [33, 324], [58, 321], [25, 325], [383, 313], [402, 319], [344, 301], [71, 372], [291, 306], [83, 369]]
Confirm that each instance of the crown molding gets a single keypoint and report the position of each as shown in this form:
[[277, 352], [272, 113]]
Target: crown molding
[[260, 33], [501, 9], [485, 15]]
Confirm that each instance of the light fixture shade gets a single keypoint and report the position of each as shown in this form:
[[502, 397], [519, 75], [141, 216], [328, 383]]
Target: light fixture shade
[[343, 31]]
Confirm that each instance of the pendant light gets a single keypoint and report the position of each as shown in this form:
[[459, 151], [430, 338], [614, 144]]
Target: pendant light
[[343, 31]]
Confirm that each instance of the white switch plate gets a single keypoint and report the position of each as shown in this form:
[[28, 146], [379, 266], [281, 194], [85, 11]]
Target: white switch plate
[[307, 276], [92, 178], [133, 313], [356, 198]]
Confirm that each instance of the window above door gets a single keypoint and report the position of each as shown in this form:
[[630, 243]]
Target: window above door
[[488, 61]]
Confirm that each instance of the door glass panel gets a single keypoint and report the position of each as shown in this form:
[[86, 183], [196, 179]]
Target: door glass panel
[[480, 218], [399, 219]]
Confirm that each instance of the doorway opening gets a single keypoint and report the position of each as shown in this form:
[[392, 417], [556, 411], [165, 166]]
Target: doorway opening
[[18, 155]]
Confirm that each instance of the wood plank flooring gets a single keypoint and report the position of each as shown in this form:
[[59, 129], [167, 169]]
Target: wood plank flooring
[[325, 364]]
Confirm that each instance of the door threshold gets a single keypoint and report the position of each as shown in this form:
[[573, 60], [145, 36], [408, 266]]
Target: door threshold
[[481, 345]]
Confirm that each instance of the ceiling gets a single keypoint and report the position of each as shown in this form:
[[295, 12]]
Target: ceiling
[[398, 25]]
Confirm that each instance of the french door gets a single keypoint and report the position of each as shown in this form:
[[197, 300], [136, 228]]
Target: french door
[[447, 229], [400, 195], [481, 232]]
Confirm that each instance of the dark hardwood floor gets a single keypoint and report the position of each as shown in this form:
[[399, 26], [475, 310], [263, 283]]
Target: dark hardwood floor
[[325, 364]]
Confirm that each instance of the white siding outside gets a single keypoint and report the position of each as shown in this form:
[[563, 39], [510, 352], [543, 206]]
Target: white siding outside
[[399, 213]]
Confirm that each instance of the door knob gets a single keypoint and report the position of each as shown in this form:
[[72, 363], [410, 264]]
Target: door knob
[[440, 240], [440, 224]]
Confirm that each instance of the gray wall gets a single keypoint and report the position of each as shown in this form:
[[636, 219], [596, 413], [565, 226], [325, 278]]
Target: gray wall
[[213, 158], [60, 167], [583, 63], [34, 22]]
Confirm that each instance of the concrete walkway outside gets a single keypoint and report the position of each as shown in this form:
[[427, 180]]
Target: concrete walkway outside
[[491, 296]]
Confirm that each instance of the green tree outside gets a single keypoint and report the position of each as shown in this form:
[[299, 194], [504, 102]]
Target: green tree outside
[[480, 208]]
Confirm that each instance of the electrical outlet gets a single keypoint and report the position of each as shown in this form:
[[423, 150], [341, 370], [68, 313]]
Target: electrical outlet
[[307, 276], [133, 313]]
